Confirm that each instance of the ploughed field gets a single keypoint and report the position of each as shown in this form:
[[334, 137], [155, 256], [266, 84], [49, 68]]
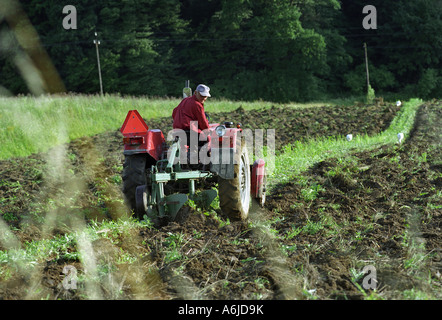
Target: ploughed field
[[378, 209]]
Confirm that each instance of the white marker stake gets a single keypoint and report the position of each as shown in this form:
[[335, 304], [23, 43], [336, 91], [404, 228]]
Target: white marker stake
[[400, 137]]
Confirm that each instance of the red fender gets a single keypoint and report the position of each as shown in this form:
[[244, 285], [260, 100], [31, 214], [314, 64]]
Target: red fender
[[258, 181], [139, 139]]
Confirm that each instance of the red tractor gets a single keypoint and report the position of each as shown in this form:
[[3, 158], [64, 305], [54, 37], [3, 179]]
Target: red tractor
[[159, 176]]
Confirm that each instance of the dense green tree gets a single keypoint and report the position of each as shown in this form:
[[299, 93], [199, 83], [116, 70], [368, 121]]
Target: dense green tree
[[279, 50], [326, 18], [256, 50], [404, 52], [131, 61]]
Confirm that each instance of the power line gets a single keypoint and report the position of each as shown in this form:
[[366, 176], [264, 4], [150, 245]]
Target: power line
[[192, 40]]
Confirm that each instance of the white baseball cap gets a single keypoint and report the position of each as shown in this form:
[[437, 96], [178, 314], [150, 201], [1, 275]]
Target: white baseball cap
[[203, 90]]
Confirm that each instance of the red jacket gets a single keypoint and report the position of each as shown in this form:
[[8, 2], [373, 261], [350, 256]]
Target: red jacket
[[189, 110]]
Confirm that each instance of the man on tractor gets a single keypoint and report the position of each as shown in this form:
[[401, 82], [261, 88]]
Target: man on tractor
[[154, 188], [190, 116]]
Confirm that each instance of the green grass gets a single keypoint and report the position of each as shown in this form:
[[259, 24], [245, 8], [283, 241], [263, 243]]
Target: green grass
[[35, 124], [28, 255], [299, 156]]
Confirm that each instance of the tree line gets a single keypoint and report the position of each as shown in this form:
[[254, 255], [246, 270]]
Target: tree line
[[276, 50]]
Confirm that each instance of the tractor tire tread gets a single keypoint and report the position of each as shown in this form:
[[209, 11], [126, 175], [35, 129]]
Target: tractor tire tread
[[133, 176], [229, 192]]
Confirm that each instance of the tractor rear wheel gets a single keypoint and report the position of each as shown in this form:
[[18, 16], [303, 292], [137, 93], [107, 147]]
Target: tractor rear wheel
[[133, 176], [143, 196], [234, 194]]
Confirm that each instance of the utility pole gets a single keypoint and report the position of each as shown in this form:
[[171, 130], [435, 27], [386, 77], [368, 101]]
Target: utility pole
[[97, 42], [366, 66]]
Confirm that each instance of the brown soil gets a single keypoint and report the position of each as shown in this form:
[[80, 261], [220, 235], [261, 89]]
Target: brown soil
[[380, 208]]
